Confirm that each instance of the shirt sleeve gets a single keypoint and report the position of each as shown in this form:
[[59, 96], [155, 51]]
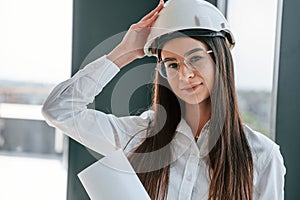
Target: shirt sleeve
[[271, 178], [66, 109]]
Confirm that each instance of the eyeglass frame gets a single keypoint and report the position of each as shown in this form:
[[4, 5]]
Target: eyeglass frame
[[186, 63]]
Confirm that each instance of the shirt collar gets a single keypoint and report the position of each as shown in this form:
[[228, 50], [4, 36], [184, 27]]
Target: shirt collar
[[202, 142]]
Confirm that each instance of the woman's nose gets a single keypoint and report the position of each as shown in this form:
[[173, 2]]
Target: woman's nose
[[185, 72]]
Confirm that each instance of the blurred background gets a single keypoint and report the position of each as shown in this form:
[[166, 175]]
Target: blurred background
[[36, 41], [35, 55]]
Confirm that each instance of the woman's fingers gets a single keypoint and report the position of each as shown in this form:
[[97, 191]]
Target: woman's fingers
[[132, 45], [148, 22], [152, 13]]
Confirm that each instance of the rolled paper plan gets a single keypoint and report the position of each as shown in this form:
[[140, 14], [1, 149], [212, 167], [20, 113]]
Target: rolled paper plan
[[113, 178]]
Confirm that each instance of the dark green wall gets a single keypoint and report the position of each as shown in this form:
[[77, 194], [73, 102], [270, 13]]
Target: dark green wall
[[288, 100]]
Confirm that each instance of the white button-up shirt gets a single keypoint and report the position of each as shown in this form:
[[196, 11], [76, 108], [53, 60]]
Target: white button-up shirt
[[66, 109]]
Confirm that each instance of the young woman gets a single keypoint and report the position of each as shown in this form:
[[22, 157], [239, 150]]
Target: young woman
[[192, 143]]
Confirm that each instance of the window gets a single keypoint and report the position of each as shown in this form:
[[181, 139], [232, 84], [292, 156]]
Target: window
[[35, 54], [254, 25]]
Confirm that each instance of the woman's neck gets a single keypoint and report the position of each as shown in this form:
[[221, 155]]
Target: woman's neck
[[197, 115]]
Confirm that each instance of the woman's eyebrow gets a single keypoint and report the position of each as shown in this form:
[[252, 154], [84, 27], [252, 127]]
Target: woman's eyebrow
[[186, 54], [168, 59], [193, 51]]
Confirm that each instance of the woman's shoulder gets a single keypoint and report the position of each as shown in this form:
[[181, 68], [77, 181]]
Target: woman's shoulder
[[148, 114], [268, 163], [262, 147]]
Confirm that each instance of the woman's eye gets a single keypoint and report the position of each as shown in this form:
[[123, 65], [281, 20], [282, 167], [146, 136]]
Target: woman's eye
[[172, 65], [195, 59]]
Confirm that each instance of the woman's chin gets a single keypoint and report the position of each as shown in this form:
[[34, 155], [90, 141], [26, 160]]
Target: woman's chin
[[194, 99]]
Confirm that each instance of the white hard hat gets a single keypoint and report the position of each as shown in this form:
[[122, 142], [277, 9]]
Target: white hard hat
[[188, 14]]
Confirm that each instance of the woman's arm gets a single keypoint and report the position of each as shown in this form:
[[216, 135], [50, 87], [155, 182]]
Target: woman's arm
[[66, 106], [66, 109]]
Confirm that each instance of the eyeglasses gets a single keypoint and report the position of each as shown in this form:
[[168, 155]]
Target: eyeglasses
[[194, 60]]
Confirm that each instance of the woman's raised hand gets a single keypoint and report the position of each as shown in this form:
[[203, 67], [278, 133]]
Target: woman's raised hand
[[132, 45]]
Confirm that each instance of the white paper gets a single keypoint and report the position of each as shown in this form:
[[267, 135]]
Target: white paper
[[112, 178]]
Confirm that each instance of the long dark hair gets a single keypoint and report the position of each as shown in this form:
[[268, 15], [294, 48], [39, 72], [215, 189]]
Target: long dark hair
[[229, 159]]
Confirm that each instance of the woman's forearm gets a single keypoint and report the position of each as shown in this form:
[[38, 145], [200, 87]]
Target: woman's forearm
[[120, 56]]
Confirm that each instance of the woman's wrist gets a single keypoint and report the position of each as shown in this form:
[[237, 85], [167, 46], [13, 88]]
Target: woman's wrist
[[120, 56]]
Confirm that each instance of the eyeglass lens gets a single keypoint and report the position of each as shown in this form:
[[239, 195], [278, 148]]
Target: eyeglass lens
[[194, 60]]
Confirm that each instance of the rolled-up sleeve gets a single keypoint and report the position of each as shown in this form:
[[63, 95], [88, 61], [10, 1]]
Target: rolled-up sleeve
[[66, 109]]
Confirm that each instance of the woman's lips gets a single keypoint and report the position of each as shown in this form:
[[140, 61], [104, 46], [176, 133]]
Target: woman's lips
[[191, 87]]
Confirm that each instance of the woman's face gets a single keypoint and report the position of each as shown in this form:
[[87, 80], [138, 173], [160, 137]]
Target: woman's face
[[191, 84]]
